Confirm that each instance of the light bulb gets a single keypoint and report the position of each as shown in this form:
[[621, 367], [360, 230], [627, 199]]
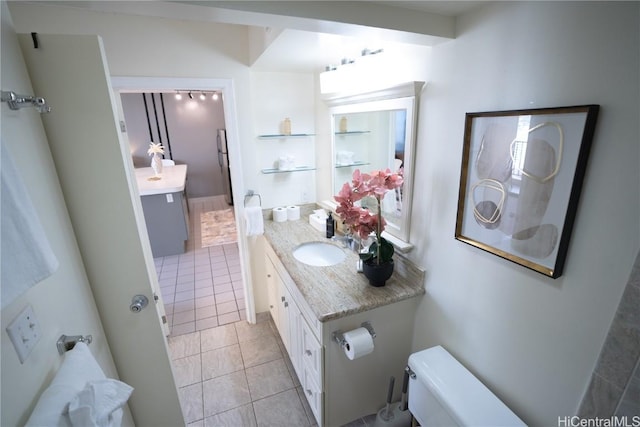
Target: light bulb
[[178, 96], [202, 97], [215, 96]]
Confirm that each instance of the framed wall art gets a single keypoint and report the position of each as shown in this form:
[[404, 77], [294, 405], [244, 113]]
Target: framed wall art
[[520, 182]]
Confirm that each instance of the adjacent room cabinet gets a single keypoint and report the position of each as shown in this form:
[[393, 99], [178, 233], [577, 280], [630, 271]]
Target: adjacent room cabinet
[[166, 209], [167, 221]]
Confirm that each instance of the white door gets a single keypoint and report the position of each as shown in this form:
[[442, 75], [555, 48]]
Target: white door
[[95, 172]]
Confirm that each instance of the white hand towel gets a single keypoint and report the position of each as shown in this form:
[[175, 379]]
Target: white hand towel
[[253, 220], [27, 257], [79, 368], [99, 404]]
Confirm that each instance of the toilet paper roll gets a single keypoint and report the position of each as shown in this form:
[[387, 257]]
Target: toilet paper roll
[[279, 214], [293, 213], [358, 343]]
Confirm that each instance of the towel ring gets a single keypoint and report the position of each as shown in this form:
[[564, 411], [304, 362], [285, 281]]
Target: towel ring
[[251, 194]]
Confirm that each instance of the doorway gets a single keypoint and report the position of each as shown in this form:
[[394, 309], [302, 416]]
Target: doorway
[[202, 287], [225, 88]]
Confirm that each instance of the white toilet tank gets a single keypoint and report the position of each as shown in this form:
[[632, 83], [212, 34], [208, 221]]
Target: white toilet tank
[[445, 393]]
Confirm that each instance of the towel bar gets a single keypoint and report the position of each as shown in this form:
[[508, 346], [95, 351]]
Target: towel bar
[[66, 342]]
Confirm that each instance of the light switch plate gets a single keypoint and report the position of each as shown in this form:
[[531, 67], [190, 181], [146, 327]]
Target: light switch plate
[[169, 198], [24, 332]]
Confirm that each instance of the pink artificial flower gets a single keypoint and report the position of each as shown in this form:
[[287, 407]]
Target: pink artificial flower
[[359, 220]]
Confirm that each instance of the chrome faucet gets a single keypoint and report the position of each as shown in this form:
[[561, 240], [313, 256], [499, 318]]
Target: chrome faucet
[[348, 241]]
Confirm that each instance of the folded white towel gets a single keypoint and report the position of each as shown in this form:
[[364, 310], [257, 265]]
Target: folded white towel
[[27, 257], [78, 370], [99, 404], [253, 220]]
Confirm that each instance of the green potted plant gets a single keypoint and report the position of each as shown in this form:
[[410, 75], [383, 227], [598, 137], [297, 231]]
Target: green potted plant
[[377, 260]]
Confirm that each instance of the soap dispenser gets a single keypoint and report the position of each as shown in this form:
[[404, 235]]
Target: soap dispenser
[[330, 226]]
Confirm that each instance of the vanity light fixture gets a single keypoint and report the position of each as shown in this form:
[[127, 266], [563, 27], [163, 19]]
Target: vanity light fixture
[[190, 95], [178, 96]]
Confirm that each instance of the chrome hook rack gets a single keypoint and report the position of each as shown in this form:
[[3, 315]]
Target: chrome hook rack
[[66, 342], [17, 102]]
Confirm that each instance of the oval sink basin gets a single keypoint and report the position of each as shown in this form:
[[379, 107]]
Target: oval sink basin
[[319, 254]]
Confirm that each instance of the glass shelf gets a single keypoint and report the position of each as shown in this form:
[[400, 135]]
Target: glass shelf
[[282, 136], [353, 132], [352, 164], [297, 169]]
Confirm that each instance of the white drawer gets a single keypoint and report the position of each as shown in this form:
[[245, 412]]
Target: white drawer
[[311, 352], [313, 393]]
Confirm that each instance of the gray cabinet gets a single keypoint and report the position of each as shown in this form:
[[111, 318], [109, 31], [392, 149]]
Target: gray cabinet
[[167, 223]]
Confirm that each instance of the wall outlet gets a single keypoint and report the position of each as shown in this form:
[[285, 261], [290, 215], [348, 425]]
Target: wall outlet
[[24, 332], [169, 198]]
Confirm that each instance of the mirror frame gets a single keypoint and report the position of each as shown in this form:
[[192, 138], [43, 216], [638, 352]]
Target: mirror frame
[[405, 96]]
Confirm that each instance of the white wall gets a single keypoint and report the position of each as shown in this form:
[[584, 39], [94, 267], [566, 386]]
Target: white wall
[[62, 303], [531, 339], [276, 96]]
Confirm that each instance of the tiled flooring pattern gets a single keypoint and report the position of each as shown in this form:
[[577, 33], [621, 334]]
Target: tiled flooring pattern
[[228, 372], [201, 288], [238, 375]]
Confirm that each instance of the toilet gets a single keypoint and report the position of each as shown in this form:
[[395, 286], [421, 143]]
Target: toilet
[[442, 392]]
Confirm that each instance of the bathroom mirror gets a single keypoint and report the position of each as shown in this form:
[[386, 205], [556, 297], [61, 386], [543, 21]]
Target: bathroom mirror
[[377, 131]]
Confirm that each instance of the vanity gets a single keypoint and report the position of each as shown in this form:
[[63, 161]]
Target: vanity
[[164, 203], [309, 304]]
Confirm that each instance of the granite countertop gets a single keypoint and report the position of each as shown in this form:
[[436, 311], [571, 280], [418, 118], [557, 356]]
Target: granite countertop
[[172, 180], [338, 290]]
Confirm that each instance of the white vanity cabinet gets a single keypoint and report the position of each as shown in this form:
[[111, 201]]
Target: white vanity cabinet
[[309, 304], [302, 344]]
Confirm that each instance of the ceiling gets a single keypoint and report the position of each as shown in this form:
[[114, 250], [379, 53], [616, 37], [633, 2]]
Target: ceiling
[[304, 47], [305, 43], [446, 8]]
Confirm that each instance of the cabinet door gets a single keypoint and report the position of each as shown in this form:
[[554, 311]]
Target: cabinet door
[[286, 306], [311, 352], [314, 394], [310, 368], [272, 291], [295, 339]]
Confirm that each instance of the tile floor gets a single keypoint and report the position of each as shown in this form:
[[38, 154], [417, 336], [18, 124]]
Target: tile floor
[[228, 372], [238, 375], [201, 288]]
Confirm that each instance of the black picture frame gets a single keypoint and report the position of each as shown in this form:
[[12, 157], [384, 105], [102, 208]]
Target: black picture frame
[[520, 182]]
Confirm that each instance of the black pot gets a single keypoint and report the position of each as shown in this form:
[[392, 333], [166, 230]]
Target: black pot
[[377, 274]]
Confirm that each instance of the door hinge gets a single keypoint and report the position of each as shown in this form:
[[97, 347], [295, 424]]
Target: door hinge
[[164, 320]]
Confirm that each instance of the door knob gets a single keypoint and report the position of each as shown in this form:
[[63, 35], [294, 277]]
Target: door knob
[[138, 303]]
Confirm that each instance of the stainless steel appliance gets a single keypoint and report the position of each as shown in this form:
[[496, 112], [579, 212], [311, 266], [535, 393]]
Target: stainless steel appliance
[[223, 161]]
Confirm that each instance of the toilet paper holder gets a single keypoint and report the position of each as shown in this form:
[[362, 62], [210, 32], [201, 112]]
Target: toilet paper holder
[[338, 336]]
